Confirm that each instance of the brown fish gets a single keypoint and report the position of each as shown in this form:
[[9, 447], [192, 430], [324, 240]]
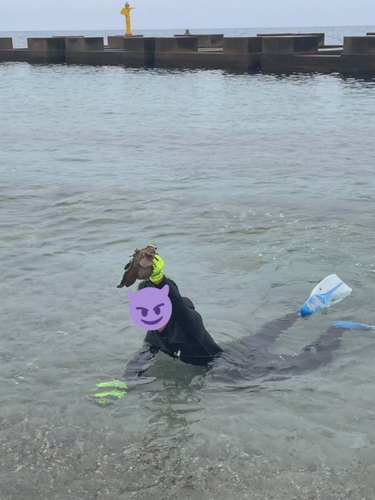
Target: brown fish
[[140, 267]]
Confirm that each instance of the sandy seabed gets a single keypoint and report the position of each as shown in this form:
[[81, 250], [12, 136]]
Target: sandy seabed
[[42, 460]]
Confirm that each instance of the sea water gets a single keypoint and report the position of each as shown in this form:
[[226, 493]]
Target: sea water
[[254, 187]]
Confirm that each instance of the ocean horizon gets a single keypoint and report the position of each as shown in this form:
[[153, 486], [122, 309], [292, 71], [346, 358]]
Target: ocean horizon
[[334, 34]]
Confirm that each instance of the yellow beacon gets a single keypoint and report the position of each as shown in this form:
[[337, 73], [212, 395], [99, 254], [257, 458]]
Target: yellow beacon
[[126, 12]]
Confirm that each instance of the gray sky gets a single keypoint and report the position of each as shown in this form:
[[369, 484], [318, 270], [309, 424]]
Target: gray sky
[[152, 14]]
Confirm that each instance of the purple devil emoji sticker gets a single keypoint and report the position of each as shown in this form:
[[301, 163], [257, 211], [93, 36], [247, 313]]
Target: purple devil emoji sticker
[[150, 308]]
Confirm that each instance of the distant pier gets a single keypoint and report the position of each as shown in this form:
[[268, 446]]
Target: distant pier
[[268, 52]]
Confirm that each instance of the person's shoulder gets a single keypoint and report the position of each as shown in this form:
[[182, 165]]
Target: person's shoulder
[[188, 302], [170, 281]]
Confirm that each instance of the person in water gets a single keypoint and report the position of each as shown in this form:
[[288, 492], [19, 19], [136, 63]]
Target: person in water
[[186, 338]]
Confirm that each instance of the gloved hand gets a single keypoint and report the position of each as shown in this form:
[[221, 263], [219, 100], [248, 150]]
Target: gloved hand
[[115, 389], [157, 274]]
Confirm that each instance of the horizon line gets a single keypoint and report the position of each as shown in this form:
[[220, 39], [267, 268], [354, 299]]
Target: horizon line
[[192, 29]]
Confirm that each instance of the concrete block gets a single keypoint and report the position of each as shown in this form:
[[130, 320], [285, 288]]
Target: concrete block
[[144, 44], [45, 44], [138, 59], [88, 44], [290, 44], [242, 45], [6, 43], [116, 41], [208, 41], [358, 63], [321, 36], [111, 58], [289, 63], [46, 50], [95, 58], [15, 55], [177, 44], [208, 60], [63, 38], [308, 63], [359, 45]]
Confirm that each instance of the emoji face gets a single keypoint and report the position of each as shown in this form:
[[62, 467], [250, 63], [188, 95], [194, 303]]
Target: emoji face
[[150, 308]]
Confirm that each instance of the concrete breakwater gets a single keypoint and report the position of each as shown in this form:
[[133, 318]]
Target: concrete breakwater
[[267, 52]]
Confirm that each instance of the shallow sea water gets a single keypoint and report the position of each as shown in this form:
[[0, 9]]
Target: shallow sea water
[[254, 187]]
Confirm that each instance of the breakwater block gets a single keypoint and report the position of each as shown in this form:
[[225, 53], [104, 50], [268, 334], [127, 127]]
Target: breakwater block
[[89, 44], [321, 36], [46, 50], [208, 60], [210, 41], [177, 44], [6, 43], [242, 45], [304, 63], [63, 38], [238, 53], [358, 54], [88, 50], [364, 45], [144, 44], [274, 52], [16, 55], [139, 52], [46, 44], [116, 41], [8, 54], [290, 44]]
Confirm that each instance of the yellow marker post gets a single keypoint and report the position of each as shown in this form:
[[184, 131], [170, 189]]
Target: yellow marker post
[[126, 12]]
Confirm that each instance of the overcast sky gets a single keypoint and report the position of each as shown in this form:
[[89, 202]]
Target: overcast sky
[[168, 14]]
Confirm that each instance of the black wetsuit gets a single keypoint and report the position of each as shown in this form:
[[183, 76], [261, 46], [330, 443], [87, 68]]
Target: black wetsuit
[[186, 338]]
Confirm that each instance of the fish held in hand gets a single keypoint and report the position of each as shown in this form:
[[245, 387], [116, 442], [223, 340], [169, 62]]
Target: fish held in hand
[[140, 267]]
